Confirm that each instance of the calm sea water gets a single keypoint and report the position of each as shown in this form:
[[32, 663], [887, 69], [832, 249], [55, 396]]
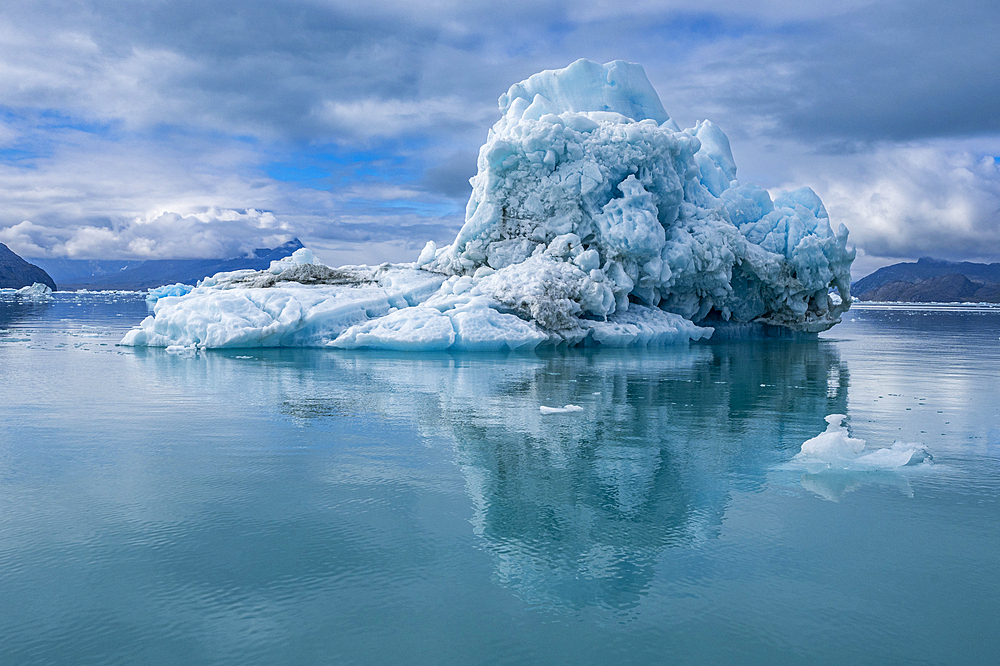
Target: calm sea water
[[313, 506]]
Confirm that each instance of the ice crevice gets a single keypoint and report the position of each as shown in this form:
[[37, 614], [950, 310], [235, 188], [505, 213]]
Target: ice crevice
[[594, 220]]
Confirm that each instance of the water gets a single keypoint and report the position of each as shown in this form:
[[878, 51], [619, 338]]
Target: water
[[313, 506]]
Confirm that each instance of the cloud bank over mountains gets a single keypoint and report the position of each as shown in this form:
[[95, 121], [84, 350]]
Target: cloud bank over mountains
[[173, 128]]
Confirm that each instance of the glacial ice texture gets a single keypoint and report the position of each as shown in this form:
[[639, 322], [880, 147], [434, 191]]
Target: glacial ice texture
[[586, 170], [594, 219]]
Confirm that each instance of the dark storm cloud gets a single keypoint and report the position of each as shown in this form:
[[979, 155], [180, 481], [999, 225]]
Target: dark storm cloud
[[887, 72]]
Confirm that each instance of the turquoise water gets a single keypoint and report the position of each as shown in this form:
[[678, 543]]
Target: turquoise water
[[313, 506]]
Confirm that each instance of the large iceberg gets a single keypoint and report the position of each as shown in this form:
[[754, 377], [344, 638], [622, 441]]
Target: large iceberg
[[594, 219]]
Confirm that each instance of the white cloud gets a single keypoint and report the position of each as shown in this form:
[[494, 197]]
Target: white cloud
[[917, 200], [157, 235], [172, 83]]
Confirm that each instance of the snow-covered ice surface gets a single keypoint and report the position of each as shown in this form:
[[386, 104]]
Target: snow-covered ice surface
[[594, 219]]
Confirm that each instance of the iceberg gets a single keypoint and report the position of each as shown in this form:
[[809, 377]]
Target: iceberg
[[34, 293], [594, 220]]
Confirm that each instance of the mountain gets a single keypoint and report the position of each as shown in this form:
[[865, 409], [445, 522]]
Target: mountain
[[15, 272], [71, 271], [931, 281], [138, 275]]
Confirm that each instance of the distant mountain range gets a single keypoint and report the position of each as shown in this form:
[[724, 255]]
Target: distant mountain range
[[95, 275], [931, 281], [15, 272]]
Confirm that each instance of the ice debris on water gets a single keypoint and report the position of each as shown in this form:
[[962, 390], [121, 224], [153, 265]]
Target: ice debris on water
[[836, 449], [182, 350], [568, 409], [594, 220]]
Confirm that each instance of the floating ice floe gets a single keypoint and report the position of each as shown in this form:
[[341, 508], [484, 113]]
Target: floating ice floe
[[594, 220], [181, 350], [568, 409], [836, 449]]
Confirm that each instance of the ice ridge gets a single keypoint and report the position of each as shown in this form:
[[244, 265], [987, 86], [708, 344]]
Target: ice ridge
[[594, 219]]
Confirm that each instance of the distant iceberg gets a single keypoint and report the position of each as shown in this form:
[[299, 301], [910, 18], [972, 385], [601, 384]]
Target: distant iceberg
[[35, 293], [593, 220]]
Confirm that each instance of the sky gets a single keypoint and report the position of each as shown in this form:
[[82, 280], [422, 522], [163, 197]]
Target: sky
[[183, 128]]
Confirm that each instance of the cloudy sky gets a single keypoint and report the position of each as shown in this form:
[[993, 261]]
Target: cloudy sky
[[185, 128]]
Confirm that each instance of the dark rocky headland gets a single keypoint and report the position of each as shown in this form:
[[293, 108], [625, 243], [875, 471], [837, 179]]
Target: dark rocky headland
[[931, 281], [15, 272]]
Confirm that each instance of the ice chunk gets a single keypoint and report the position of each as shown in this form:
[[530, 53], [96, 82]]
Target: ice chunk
[[473, 326], [301, 257], [568, 409], [643, 326], [36, 293], [178, 289], [412, 328], [834, 443], [835, 449], [427, 254], [182, 350]]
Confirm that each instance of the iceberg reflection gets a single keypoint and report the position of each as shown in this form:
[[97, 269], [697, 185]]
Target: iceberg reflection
[[574, 509], [832, 485]]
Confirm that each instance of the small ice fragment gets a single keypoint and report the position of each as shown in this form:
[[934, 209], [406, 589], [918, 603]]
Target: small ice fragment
[[568, 409], [834, 448], [181, 349], [596, 393], [834, 443]]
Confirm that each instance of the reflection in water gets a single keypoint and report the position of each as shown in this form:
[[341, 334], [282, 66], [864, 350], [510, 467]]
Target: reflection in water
[[15, 312], [574, 508], [832, 485]]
